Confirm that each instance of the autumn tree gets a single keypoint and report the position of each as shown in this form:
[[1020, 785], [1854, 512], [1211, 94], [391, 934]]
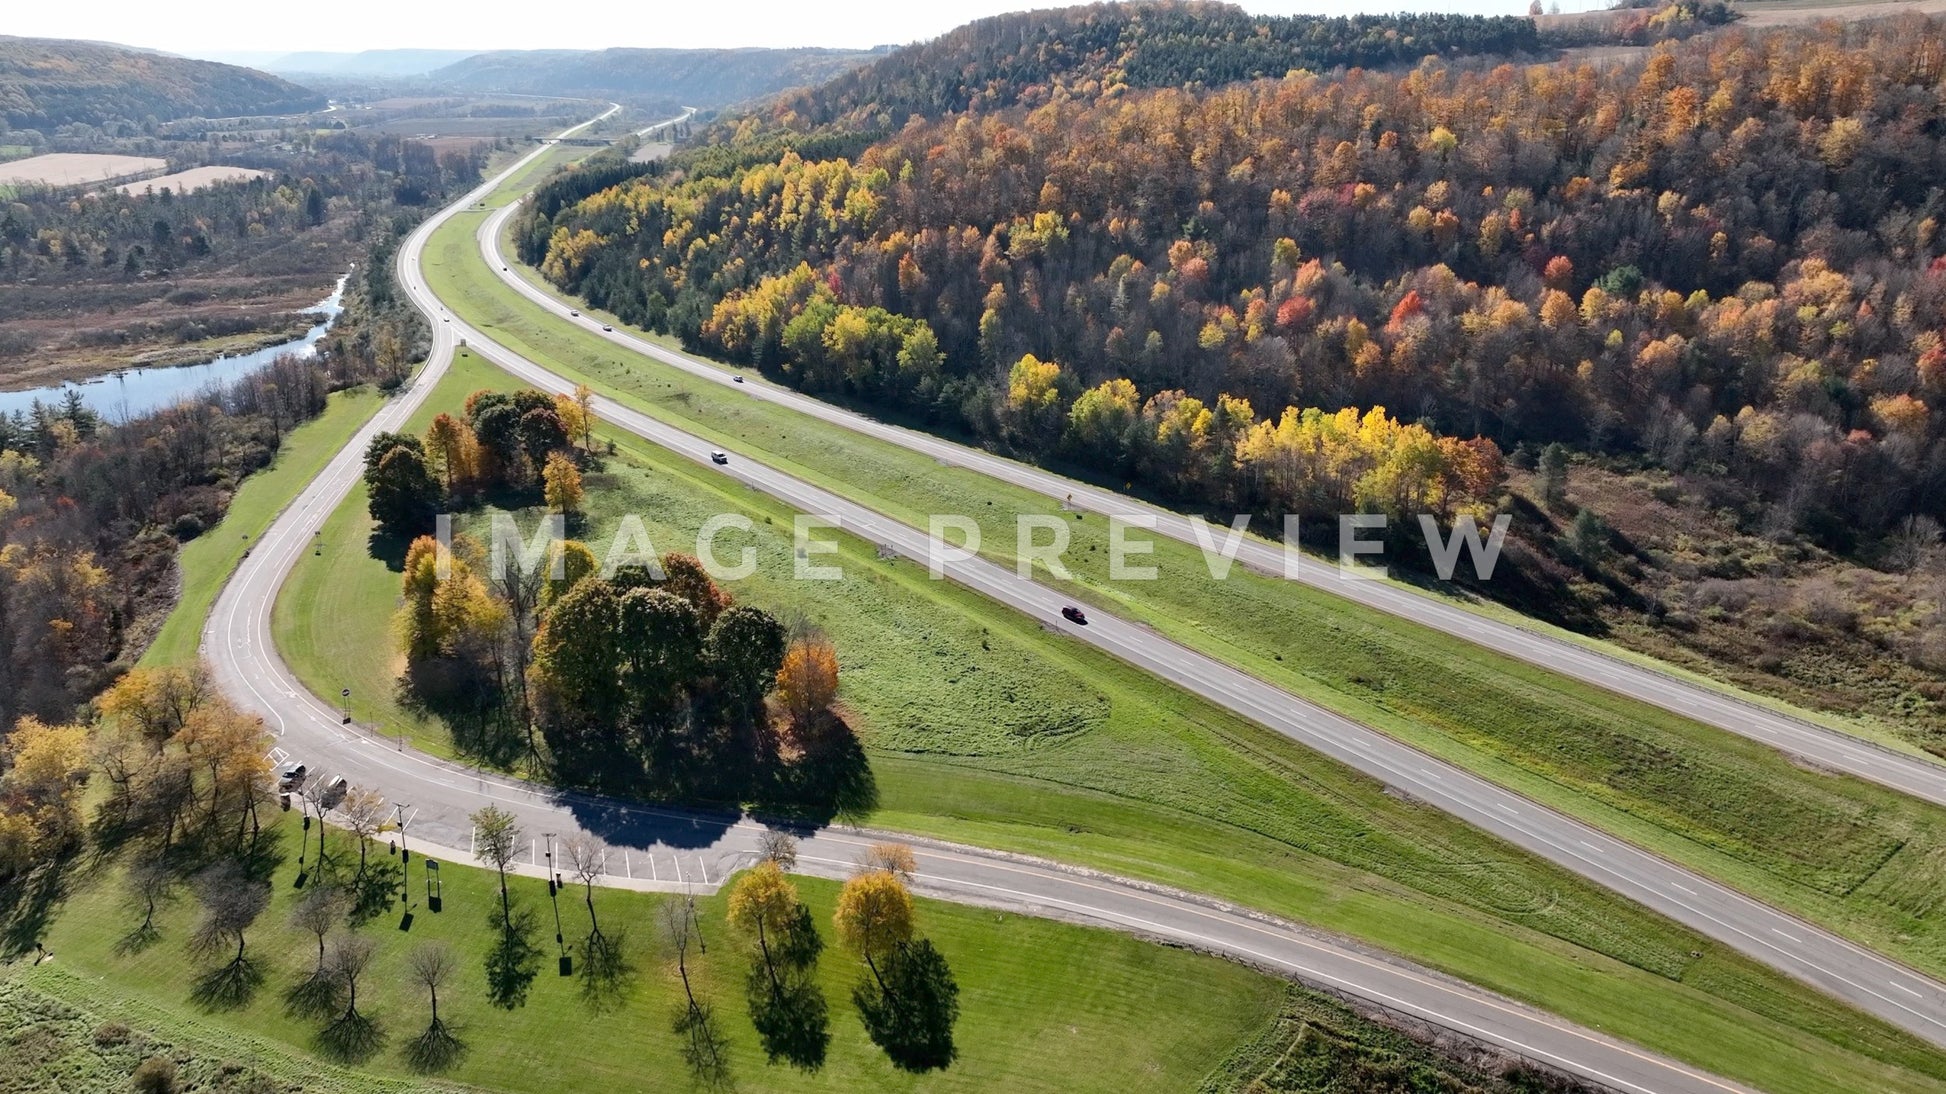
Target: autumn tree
[[685, 576], [42, 769], [562, 484], [786, 1005], [155, 702], [910, 1002], [454, 452], [577, 414], [807, 682]]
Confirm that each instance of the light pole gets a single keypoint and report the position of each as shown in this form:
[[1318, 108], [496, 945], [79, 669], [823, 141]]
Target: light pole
[[554, 898], [405, 857]]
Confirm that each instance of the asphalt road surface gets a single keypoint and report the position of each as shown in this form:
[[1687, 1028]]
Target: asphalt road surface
[[1825, 747], [1849, 971], [673, 849]]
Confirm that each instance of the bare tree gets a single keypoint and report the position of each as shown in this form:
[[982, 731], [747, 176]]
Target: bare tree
[[1913, 544], [231, 901], [587, 859], [366, 815], [351, 1036], [521, 590], [705, 1049], [893, 858], [321, 910], [151, 882], [438, 1047], [778, 846], [606, 971]]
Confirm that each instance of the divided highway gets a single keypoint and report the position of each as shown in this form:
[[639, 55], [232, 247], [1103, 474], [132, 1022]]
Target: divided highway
[[1829, 748], [1819, 957], [1857, 975], [684, 849], [674, 850]]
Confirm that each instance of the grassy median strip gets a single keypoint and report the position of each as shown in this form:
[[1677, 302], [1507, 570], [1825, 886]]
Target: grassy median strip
[[1845, 853], [207, 561], [1044, 1005], [984, 727]]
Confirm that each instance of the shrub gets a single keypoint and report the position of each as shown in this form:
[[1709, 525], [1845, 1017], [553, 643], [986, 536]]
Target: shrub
[[156, 1075]]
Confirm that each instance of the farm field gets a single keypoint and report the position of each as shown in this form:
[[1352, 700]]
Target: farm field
[[193, 179], [983, 728], [1777, 13], [76, 168], [1848, 854]]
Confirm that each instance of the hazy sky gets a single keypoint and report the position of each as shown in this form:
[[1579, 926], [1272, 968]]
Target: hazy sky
[[202, 26]]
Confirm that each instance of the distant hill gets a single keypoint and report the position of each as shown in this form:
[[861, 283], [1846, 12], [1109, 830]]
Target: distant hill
[[371, 62], [693, 77], [1004, 60], [46, 83]]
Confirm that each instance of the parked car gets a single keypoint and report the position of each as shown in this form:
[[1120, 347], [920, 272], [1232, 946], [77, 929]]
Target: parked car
[[334, 792], [291, 776], [1074, 615], [719, 456]]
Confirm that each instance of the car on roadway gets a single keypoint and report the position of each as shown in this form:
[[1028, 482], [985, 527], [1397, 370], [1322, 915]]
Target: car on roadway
[[1074, 615], [574, 313], [291, 776], [503, 269], [717, 455], [738, 379], [605, 326]]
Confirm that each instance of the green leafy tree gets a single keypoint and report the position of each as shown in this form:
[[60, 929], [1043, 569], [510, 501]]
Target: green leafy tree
[[404, 495]]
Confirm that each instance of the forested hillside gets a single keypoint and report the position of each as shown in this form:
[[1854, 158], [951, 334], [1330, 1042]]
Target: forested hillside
[[46, 83], [684, 77], [1103, 49], [1720, 265]]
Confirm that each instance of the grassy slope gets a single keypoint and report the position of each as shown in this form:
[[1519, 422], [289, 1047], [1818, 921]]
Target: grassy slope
[[207, 561], [1044, 1006], [1843, 852], [64, 1032], [984, 727]]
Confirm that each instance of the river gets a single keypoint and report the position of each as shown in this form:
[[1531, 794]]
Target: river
[[131, 393]]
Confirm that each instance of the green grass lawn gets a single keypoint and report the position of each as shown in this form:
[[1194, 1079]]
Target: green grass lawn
[[984, 727], [1044, 1005], [207, 561], [1860, 859]]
